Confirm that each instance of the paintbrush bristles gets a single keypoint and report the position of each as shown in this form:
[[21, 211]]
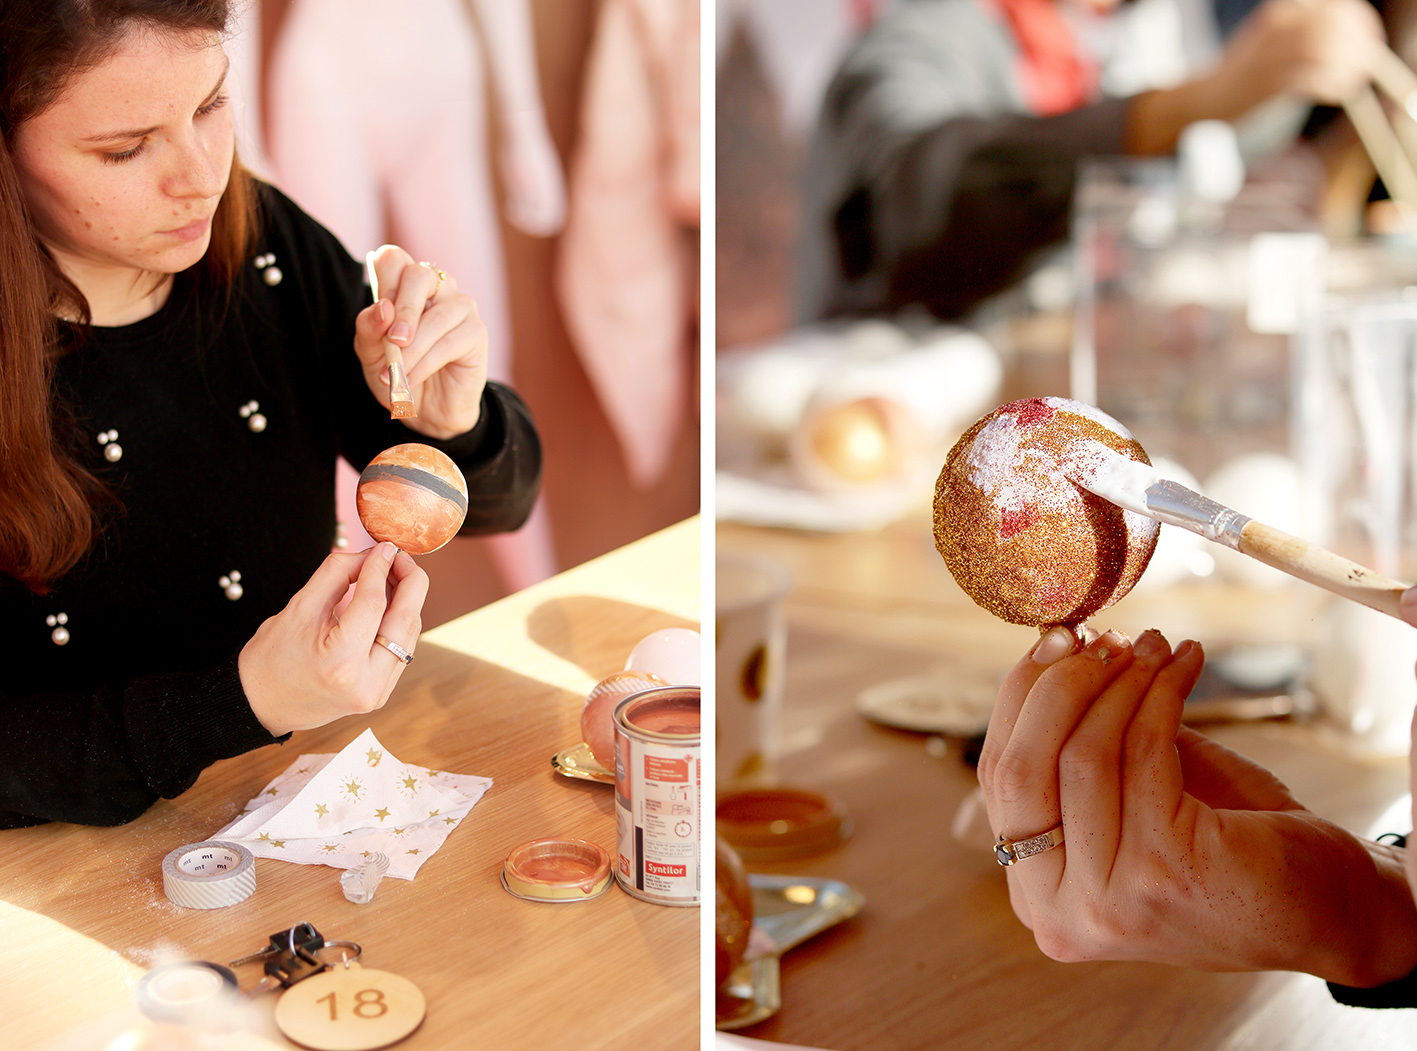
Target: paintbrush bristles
[[400, 400]]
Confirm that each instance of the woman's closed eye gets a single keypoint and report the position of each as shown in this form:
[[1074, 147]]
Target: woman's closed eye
[[119, 156]]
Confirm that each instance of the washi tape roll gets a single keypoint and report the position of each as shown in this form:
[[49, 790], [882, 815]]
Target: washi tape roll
[[209, 875]]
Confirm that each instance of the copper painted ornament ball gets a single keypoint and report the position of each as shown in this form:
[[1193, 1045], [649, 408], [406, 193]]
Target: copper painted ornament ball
[[412, 496], [1022, 539]]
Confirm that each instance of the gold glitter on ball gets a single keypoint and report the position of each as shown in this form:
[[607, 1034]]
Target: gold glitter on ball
[[1020, 538]]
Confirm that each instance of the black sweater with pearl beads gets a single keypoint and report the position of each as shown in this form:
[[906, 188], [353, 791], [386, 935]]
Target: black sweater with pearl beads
[[215, 424]]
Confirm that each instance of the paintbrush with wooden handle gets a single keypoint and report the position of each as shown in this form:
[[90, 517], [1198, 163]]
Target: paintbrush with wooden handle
[[400, 399], [1135, 486]]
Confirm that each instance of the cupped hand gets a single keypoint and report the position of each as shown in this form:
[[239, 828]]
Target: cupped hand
[[1322, 50], [1176, 850], [441, 335], [308, 665]]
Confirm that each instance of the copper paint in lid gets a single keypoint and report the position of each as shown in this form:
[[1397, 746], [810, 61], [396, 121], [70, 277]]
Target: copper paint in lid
[[556, 870], [770, 824]]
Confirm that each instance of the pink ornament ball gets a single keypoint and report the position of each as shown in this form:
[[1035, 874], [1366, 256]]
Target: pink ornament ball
[[412, 496], [597, 722]]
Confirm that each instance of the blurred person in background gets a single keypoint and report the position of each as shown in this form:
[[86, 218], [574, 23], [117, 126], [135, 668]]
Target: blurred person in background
[[945, 158]]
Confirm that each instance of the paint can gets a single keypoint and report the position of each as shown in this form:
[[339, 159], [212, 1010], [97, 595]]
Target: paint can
[[658, 776]]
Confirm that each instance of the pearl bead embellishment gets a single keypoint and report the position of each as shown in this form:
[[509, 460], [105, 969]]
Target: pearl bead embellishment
[[231, 585], [253, 419], [270, 273], [60, 634], [341, 540], [112, 451]]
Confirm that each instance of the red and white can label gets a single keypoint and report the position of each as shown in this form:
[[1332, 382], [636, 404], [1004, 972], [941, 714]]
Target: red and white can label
[[658, 781]]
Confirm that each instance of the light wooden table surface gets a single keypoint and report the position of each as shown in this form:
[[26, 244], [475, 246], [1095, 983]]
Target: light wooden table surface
[[936, 959], [494, 693]]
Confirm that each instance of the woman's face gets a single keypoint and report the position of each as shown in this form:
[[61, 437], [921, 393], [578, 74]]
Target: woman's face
[[125, 170]]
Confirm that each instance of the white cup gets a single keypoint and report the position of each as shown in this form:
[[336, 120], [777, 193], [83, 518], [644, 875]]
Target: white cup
[[750, 646]]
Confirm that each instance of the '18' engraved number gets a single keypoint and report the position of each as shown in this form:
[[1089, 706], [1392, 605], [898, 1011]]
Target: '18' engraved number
[[368, 1003]]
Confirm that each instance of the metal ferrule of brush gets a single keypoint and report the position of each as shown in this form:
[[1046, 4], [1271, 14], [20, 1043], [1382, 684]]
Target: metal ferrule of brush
[[1174, 504]]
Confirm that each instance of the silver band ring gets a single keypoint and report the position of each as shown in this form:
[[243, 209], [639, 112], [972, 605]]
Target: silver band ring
[[1009, 852], [442, 276], [394, 648]]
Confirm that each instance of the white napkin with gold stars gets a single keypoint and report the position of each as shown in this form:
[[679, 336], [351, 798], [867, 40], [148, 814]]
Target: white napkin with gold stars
[[339, 809]]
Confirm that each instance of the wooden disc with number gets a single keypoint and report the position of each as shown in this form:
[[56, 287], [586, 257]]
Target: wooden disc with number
[[350, 1008]]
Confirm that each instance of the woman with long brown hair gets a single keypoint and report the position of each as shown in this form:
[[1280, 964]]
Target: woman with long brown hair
[[183, 354]]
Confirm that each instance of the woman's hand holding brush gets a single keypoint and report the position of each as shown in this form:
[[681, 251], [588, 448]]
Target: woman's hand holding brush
[[419, 315]]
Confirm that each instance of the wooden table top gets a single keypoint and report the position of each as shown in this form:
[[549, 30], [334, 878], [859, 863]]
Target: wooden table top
[[936, 958], [494, 693]]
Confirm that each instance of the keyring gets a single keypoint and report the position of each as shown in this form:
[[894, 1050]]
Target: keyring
[[345, 958]]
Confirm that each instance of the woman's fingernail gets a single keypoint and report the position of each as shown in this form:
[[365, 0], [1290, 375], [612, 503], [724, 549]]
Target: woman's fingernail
[[399, 332], [388, 550], [1149, 643], [1054, 646], [1109, 645], [386, 311]]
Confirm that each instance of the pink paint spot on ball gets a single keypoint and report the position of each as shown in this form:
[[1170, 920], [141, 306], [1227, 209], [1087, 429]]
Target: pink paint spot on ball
[[1014, 521], [1032, 411]]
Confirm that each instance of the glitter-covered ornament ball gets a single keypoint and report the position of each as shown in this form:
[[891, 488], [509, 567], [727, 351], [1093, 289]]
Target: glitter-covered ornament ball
[[1023, 540], [413, 496]]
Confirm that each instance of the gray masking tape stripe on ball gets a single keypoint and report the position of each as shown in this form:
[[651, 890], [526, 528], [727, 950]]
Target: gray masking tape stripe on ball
[[416, 477], [209, 875]]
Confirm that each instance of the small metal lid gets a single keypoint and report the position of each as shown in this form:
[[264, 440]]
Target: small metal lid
[[770, 824], [556, 870], [190, 992]]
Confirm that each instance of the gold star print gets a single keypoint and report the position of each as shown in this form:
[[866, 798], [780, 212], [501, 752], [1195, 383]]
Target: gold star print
[[374, 756], [278, 843], [264, 835], [411, 783], [352, 788], [330, 848], [321, 810], [366, 853], [398, 831], [413, 851], [382, 813], [432, 813], [273, 791], [303, 770], [450, 821]]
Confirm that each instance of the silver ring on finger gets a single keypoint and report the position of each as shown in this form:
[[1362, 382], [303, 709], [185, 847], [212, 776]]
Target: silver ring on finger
[[394, 648], [1010, 852]]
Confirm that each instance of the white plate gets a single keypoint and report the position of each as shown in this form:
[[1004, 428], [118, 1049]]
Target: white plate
[[957, 705]]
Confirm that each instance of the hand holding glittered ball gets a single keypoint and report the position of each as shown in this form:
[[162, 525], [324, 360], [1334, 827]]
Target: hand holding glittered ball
[[412, 496], [1020, 537]]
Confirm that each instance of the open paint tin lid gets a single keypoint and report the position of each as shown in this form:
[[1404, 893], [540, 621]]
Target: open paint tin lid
[[772, 824], [556, 870]]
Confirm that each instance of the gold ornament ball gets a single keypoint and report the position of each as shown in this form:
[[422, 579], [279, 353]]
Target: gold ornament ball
[[1020, 538]]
